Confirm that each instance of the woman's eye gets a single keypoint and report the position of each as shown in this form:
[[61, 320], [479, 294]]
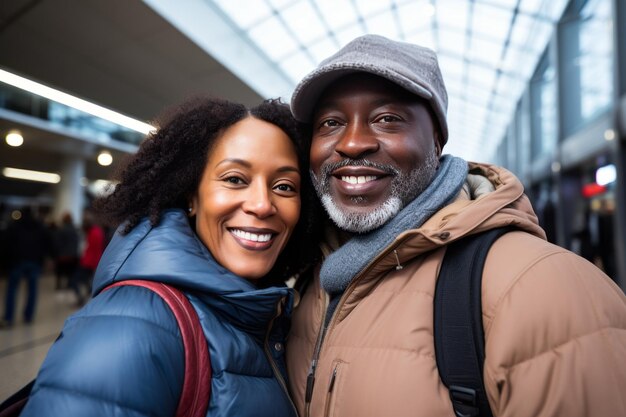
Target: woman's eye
[[285, 187], [234, 180]]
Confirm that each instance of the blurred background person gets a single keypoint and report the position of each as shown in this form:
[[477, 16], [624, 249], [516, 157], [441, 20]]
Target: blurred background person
[[28, 244], [65, 239], [93, 248]]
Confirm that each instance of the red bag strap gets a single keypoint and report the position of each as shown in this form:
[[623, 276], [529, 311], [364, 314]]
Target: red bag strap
[[194, 399]]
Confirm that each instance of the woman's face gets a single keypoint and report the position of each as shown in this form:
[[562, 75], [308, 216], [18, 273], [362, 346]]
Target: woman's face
[[248, 201]]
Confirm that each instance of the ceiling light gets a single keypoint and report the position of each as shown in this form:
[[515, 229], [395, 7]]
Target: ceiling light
[[606, 174], [105, 159], [75, 102], [609, 134], [26, 174], [14, 138]]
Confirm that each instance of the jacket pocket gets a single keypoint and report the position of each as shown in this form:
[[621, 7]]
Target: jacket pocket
[[333, 394]]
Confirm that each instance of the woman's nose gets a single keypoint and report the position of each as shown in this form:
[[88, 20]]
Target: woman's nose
[[357, 142], [259, 202]]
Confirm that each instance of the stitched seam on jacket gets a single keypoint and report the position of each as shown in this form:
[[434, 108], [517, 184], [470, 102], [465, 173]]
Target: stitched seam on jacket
[[404, 291], [385, 348], [605, 337], [551, 349], [514, 281], [148, 292], [90, 396], [119, 316]]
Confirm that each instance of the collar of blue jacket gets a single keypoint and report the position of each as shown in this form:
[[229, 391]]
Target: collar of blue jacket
[[172, 253]]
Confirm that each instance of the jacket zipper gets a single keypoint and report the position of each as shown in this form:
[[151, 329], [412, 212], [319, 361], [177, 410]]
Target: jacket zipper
[[268, 353], [331, 386], [310, 380]]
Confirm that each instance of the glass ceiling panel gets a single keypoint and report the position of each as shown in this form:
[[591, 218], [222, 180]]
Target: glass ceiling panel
[[452, 41], [347, 34], [279, 4], [454, 14], [491, 21], [486, 51], [422, 38], [415, 16], [323, 49], [303, 21], [244, 17], [368, 8], [296, 65], [484, 79], [337, 13], [272, 36], [385, 24]]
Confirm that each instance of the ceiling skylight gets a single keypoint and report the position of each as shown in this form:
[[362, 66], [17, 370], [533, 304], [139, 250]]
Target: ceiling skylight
[[487, 48]]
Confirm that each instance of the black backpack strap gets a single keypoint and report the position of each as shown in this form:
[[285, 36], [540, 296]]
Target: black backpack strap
[[458, 326]]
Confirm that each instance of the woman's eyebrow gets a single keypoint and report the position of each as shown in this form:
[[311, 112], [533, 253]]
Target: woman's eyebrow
[[287, 168], [234, 161]]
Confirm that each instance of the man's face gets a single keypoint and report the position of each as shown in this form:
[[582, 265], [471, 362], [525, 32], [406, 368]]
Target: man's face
[[373, 151]]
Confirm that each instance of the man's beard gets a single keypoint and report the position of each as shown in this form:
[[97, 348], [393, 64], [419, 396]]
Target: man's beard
[[405, 187]]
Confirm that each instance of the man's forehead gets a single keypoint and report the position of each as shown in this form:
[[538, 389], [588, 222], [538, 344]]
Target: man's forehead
[[380, 90]]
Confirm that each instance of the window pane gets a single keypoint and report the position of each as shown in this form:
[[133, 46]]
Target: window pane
[[596, 58], [544, 111], [587, 54]]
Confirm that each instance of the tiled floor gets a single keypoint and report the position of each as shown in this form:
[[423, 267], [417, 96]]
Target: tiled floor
[[23, 347]]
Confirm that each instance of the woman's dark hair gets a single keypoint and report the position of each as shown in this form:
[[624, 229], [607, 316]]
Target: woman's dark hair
[[166, 172]]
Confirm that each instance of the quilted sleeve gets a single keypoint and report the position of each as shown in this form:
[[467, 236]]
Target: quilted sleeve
[[556, 337], [121, 355]]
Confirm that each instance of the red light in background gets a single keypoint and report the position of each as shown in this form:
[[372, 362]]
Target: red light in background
[[593, 189]]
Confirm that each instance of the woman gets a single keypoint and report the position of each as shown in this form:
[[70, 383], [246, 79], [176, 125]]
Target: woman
[[212, 205]]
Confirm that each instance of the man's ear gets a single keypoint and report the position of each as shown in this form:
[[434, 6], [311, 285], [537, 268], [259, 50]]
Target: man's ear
[[436, 137]]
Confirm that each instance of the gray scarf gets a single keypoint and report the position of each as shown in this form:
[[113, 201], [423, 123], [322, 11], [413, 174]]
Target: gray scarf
[[345, 263]]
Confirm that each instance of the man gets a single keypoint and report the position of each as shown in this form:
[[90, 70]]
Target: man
[[362, 336], [28, 243]]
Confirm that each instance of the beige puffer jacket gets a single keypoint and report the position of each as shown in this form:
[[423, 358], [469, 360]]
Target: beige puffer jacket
[[555, 326]]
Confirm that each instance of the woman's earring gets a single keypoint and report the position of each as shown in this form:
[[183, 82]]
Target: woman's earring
[[189, 210]]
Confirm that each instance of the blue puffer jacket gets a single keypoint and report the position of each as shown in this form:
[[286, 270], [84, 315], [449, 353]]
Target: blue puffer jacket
[[122, 354]]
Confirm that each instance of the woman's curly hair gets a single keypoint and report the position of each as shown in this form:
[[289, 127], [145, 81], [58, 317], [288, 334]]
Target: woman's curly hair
[[166, 172]]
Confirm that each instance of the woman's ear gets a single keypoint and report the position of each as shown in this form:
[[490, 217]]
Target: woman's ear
[[192, 207]]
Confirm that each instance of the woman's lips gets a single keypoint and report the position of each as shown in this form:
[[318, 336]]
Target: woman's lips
[[253, 239]]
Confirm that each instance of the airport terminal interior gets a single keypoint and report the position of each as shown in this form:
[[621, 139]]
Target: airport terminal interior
[[535, 86]]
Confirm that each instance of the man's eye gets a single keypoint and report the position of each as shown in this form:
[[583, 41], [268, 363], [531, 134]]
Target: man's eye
[[329, 123], [388, 119]]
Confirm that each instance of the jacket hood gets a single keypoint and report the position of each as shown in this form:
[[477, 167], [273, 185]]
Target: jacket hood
[[172, 253]]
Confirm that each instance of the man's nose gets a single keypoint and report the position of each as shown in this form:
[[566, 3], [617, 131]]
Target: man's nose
[[258, 201], [357, 142]]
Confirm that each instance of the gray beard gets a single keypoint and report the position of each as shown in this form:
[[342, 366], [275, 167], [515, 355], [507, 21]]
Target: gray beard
[[405, 187]]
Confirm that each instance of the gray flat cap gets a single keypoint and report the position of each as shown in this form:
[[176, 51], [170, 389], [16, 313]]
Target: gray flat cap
[[412, 67]]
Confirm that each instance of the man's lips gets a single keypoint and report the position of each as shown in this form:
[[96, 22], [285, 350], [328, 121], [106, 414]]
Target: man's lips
[[358, 178], [357, 175]]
